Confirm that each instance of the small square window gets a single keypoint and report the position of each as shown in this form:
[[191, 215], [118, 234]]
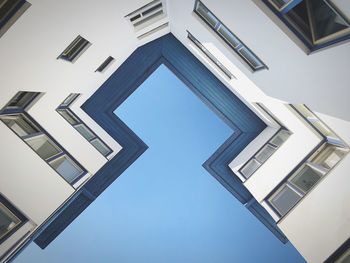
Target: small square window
[[250, 168], [85, 131], [10, 219], [280, 138], [265, 153], [66, 168], [68, 116], [20, 124], [43, 146], [101, 147], [306, 178], [285, 199], [329, 156]]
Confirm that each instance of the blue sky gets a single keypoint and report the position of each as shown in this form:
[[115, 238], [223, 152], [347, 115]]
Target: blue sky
[[166, 207]]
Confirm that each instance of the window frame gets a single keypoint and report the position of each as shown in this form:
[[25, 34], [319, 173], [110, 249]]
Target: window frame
[[236, 49], [307, 161], [309, 46], [281, 128], [75, 49], [65, 106], [18, 111], [209, 55], [16, 213]]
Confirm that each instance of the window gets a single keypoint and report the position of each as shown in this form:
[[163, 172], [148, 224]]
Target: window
[[231, 39], [269, 148], [105, 64], [10, 11], [81, 127], [316, 23], [75, 49], [147, 15], [284, 199], [10, 219], [209, 55], [264, 153], [309, 172], [22, 124]]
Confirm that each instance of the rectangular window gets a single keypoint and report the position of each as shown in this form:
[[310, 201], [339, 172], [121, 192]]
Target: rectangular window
[[81, 127], [209, 55], [316, 23], [75, 49], [105, 64], [10, 219], [310, 171], [284, 199], [265, 152], [21, 123], [253, 61], [67, 168]]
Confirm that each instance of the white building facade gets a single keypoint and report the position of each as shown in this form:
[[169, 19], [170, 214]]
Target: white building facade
[[55, 58]]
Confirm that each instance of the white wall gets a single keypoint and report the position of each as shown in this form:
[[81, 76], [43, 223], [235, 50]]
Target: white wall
[[319, 80], [28, 54], [321, 222]]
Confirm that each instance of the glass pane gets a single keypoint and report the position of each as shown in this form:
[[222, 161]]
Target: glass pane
[[20, 125], [280, 138], [250, 58], [299, 18], [329, 156], [325, 21], [265, 153], [229, 36], [304, 111], [306, 178], [322, 128], [66, 168], [22, 99], [100, 146], [285, 199], [70, 99], [85, 131], [68, 117], [43, 146], [250, 168], [206, 14], [8, 220]]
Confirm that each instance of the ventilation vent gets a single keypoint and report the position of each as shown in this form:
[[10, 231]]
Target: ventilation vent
[[75, 49], [147, 15], [105, 64]]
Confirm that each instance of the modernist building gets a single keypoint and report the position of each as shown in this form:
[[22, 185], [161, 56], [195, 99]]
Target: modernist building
[[276, 71]]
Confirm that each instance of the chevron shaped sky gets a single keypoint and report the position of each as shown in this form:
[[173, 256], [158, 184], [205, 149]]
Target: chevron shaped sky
[[166, 207]]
